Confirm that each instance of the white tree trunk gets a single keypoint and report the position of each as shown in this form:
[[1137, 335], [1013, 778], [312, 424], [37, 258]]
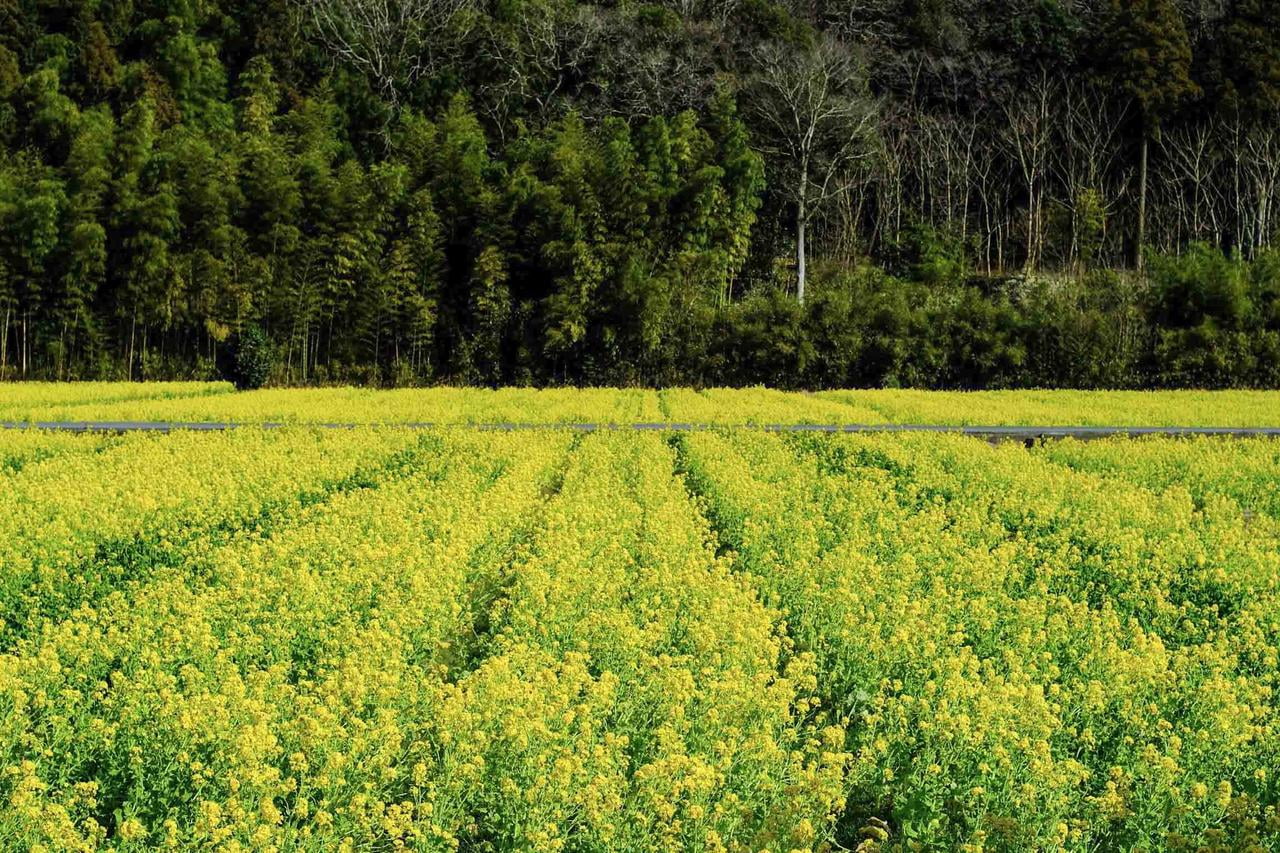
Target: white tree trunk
[[800, 260], [4, 344], [802, 215], [1142, 202], [133, 330]]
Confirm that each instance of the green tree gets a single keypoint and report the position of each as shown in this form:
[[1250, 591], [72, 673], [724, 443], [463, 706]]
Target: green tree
[[145, 222], [84, 256], [32, 203], [1151, 61], [211, 246], [416, 267], [491, 312], [743, 182]]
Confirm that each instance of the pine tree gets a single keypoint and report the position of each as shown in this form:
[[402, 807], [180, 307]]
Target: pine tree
[[1252, 50]]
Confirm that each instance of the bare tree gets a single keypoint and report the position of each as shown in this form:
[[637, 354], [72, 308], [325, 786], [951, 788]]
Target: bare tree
[[1251, 151], [719, 11], [990, 187], [530, 57], [817, 117], [1088, 153], [1028, 136], [650, 73], [394, 42], [1262, 159], [1192, 157], [873, 22], [946, 162]]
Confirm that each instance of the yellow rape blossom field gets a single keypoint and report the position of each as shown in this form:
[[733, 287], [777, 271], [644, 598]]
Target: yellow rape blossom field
[[441, 639], [217, 402]]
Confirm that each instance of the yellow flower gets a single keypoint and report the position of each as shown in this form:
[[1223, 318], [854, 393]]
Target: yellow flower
[[131, 829]]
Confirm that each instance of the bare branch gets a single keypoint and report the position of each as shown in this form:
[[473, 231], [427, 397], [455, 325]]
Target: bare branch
[[393, 42]]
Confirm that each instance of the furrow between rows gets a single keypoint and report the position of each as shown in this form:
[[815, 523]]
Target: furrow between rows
[[632, 698]]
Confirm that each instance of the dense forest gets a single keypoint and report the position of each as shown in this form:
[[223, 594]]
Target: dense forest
[[948, 193]]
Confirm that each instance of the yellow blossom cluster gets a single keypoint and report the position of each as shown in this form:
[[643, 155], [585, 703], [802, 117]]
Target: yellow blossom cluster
[[1069, 408], [442, 405], [763, 407], [722, 640], [637, 695], [1246, 472], [20, 448]]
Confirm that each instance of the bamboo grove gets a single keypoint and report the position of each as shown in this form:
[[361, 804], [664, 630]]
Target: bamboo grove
[[552, 191]]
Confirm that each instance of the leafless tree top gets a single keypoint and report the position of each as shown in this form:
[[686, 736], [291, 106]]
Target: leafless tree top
[[813, 105], [394, 42]]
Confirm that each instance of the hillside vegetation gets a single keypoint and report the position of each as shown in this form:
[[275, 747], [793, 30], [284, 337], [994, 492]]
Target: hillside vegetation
[[930, 193]]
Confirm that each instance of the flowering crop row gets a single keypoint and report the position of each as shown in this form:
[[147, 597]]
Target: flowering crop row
[[20, 448], [1070, 408], [636, 694], [53, 400], [442, 405], [1246, 471], [81, 522], [764, 406]]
